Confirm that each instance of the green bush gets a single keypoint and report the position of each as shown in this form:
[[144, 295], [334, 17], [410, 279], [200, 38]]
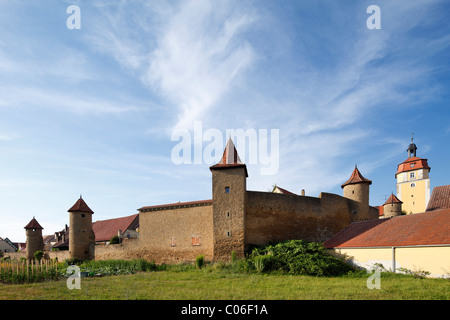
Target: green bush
[[73, 261], [38, 255], [200, 261], [263, 262], [114, 240], [298, 257], [112, 267]]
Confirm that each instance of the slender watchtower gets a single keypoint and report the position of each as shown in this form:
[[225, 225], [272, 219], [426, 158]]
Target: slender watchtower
[[81, 234], [35, 242], [357, 188], [413, 181], [229, 189]]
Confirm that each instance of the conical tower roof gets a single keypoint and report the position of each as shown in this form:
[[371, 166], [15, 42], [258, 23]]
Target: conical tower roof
[[230, 158], [33, 224], [355, 178], [230, 155], [80, 206], [392, 199]]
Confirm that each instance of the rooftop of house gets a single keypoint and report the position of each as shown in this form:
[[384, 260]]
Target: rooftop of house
[[440, 198], [427, 228], [278, 189], [105, 229]]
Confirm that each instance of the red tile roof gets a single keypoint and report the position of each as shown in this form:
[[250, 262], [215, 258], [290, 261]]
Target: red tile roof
[[392, 199], [230, 158], [177, 204], [440, 198], [412, 163], [427, 228], [356, 177], [283, 191], [33, 224], [380, 210], [80, 205], [105, 229]]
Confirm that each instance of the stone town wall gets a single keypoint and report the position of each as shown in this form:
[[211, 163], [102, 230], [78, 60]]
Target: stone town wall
[[176, 234], [276, 217]]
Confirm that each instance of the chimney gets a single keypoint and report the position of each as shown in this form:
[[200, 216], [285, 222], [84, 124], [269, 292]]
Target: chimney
[[119, 233], [303, 192]]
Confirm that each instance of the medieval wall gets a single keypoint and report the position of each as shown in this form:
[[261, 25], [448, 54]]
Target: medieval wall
[[276, 217], [175, 235]]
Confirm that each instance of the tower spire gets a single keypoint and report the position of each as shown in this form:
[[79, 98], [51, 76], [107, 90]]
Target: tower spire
[[412, 149]]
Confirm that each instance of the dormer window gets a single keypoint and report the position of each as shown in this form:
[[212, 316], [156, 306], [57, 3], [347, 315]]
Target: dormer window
[[412, 165]]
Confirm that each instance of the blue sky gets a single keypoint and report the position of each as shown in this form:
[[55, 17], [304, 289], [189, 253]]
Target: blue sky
[[91, 111]]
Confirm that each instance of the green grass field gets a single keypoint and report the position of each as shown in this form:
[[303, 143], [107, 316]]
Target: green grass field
[[210, 284]]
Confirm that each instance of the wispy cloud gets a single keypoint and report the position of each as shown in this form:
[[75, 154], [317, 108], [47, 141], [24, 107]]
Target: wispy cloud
[[47, 98], [188, 53], [198, 56]]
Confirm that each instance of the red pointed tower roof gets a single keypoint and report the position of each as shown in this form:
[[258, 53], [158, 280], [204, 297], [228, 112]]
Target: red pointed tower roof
[[81, 206], [33, 224], [413, 162], [230, 158], [356, 177], [392, 199]]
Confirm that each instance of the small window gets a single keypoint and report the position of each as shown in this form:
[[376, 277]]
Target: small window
[[82, 215], [228, 214], [173, 242], [413, 185], [196, 241], [412, 165], [227, 189], [228, 233], [412, 175]]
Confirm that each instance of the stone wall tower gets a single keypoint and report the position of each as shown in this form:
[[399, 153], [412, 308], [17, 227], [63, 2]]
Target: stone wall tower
[[81, 234], [229, 189], [35, 242], [392, 207], [357, 188]]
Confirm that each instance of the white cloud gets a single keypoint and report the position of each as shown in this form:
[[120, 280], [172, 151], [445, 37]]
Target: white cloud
[[188, 53], [72, 102], [198, 56]]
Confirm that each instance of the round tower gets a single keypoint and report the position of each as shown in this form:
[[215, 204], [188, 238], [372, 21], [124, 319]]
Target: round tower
[[357, 189], [392, 207], [35, 242], [81, 234]]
